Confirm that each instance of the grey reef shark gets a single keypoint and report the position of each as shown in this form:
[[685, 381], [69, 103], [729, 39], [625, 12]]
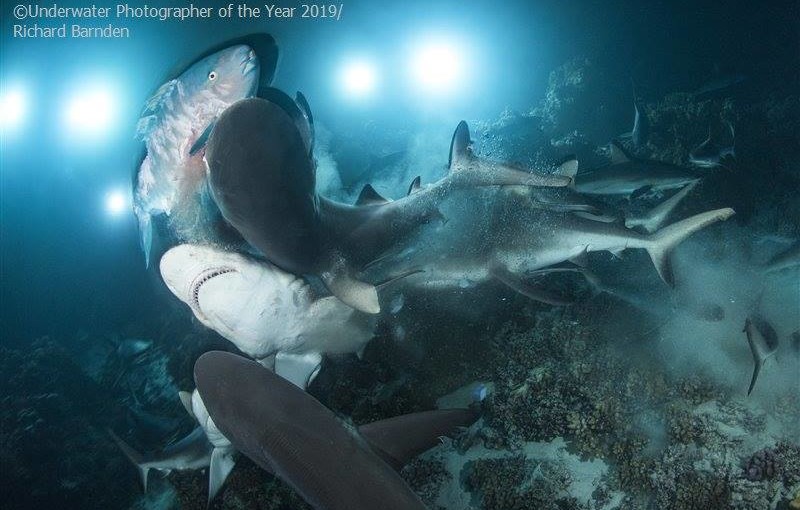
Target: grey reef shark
[[331, 463], [262, 175], [626, 174]]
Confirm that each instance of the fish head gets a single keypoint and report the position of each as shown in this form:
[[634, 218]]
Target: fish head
[[228, 75], [247, 301]]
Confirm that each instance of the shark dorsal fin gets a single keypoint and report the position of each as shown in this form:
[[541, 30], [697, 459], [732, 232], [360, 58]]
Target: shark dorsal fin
[[369, 196], [569, 167], [300, 118], [398, 440], [459, 145], [618, 154], [415, 186], [302, 102]]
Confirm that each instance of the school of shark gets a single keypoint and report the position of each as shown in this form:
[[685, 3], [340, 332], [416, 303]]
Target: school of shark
[[231, 215]]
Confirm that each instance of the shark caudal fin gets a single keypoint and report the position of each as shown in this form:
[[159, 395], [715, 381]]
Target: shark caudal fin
[[655, 218], [763, 341], [135, 457], [660, 244], [398, 440], [468, 170]]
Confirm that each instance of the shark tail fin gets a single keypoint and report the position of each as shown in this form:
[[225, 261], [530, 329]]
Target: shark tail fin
[[660, 244], [468, 170], [135, 457], [146, 233], [756, 371], [656, 217]]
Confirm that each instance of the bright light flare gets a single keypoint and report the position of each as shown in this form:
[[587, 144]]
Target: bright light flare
[[116, 202], [12, 108], [437, 67], [90, 112], [359, 78]]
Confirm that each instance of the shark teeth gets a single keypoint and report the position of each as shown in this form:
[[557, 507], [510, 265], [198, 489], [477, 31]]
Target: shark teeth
[[204, 277]]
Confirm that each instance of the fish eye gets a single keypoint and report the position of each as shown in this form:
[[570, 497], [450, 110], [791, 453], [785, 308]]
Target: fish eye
[[212, 75]]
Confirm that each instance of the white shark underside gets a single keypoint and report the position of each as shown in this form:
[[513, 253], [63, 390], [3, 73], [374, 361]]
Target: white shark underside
[[267, 313]]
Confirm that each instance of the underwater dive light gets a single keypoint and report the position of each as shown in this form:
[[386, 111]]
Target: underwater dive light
[[358, 78], [116, 202], [12, 108], [90, 112], [437, 66]]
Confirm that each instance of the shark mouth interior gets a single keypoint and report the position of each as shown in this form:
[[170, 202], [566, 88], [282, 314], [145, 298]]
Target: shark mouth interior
[[204, 277]]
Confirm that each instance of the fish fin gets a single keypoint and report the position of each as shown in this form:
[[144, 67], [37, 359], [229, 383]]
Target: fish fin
[[146, 236], [581, 259], [298, 369], [617, 253], [467, 170], [351, 291], [517, 284], [369, 196], [415, 185], [135, 457], [638, 192], [398, 440], [569, 168], [268, 362], [602, 218], [661, 213], [222, 462], [201, 140], [397, 277], [186, 400], [618, 155], [293, 110], [302, 102], [756, 370], [660, 244]]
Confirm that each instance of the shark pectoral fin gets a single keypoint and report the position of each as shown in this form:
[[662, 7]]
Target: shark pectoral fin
[[354, 293], [186, 400], [662, 212], [398, 440], [527, 289], [135, 457], [299, 369], [369, 196], [581, 259], [471, 171], [660, 244], [222, 462], [602, 218], [397, 277]]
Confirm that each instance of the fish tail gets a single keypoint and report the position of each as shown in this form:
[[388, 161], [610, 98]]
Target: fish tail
[[660, 244], [135, 457]]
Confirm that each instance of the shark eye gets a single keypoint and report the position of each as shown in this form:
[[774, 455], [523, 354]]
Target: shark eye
[[212, 75]]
